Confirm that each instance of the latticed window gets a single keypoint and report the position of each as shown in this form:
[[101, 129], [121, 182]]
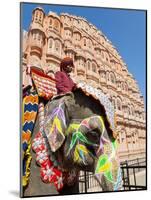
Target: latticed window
[[90, 44], [119, 104], [99, 52], [50, 43], [36, 15], [113, 102], [77, 36], [132, 111], [57, 46], [88, 65], [107, 76], [34, 36], [40, 17], [85, 42], [93, 67], [56, 25], [126, 87], [39, 37], [50, 22], [69, 33], [112, 78], [102, 54]]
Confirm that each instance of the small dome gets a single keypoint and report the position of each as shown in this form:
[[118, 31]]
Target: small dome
[[39, 8], [53, 14]]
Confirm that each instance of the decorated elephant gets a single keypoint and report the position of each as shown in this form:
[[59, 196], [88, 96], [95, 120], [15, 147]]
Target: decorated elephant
[[75, 131]]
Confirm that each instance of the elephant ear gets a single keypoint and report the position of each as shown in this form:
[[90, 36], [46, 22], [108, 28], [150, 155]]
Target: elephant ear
[[55, 126]]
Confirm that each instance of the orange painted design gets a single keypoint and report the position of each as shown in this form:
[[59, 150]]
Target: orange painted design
[[26, 136], [29, 116], [31, 99]]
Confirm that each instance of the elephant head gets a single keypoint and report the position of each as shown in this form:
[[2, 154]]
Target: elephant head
[[80, 134]]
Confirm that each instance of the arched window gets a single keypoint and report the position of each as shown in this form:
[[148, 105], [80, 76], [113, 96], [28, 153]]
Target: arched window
[[112, 78], [40, 17], [50, 22], [107, 57], [88, 65], [36, 15], [126, 87], [94, 67], [84, 42], [123, 137], [129, 110], [69, 33], [132, 110], [113, 102], [39, 37], [77, 36], [50, 73], [118, 138], [123, 86], [34, 36], [119, 104], [90, 44], [57, 46], [80, 62], [107, 76], [56, 25], [50, 43], [102, 54]]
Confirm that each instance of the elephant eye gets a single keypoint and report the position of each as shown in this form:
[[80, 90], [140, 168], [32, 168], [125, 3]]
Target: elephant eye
[[93, 137], [92, 150]]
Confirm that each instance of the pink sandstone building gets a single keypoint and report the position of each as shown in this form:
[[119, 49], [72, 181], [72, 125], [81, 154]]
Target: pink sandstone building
[[51, 37]]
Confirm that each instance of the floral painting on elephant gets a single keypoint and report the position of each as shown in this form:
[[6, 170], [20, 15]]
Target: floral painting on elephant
[[74, 110]]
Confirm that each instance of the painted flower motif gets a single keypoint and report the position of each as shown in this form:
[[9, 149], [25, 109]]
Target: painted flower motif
[[38, 135], [38, 144], [47, 174], [42, 156], [59, 183]]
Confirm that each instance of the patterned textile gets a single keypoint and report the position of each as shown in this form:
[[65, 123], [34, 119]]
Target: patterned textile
[[45, 85], [50, 171], [97, 94], [30, 108]]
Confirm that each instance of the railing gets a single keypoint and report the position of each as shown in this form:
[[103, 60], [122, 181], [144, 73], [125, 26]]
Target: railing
[[133, 175], [87, 182]]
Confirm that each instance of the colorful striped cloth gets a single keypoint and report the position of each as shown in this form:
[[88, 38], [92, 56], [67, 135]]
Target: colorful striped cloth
[[45, 85], [30, 108]]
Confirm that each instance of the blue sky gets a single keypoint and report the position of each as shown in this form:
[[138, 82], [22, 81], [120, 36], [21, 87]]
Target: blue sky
[[126, 29]]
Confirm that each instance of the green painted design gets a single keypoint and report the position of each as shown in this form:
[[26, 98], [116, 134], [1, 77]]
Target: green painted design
[[114, 143], [72, 128], [109, 176], [78, 136], [82, 138], [73, 141], [101, 162]]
